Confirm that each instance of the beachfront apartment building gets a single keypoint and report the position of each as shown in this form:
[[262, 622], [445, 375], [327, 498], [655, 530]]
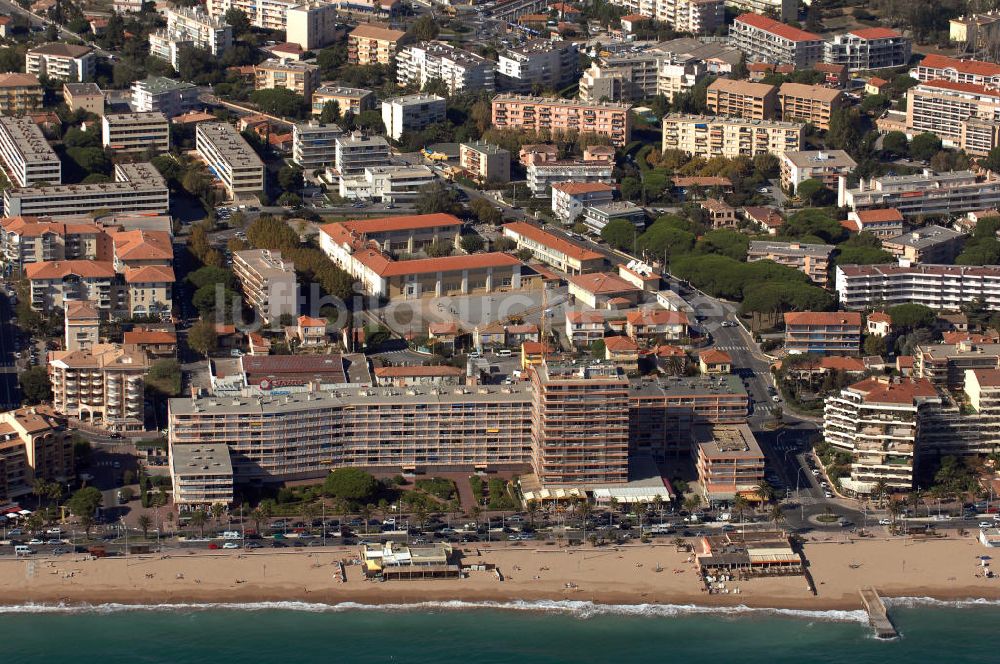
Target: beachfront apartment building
[[742, 99], [299, 77], [484, 162], [411, 113], [314, 145], [314, 24], [370, 44], [862, 49], [27, 157], [928, 244], [201, 476], [136, 132], [729, 461], [836, 332], [542, 62], [84, 96], [813, 260], [164, 95], [20, 93], [814, 104], [354, 153], [570, 199], [138, 187], [709, 136], [943, 287], [102, 386], [953, 111], [879, 421], [459, 70], [268, 283], [61, 61], [553, 250], [267, 14], [190, 27], [355, 100], [824, 165], [923, 194], [763, 39], [34, 445], [563, 115], [936, 67], [947, 365], [230, 159]]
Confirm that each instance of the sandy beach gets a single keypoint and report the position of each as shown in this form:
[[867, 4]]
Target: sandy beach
[[943, 569]]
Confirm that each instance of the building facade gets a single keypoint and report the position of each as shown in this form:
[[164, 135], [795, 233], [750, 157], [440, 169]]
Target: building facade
[[355, 100], [164, 95], [20, 93], [138, 187], [268, 283], [372, 45], [944, 287], [538, 62], [411, 113], [299, 77], [102, 386], [837, 332], [27, 157], [742, 99], [813, 260], [763, 39], [64, 62], [814, 104], [868, 48], [459, 70], [230, 159], [563, 115], [708, 137], [136, 132], [927, 193], [552, 250], [314, 145], [485, 162]]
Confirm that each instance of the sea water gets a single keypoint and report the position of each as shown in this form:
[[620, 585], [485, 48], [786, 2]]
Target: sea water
[[486, 633]]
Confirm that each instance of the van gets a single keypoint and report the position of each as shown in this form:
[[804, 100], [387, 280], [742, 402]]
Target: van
[[23, 550], [231, 535], [504, 352]]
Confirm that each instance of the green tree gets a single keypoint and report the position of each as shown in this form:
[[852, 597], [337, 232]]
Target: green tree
[[290, 179], [424, 28], [199, 519], [620, 234], [83, 504], [330, 113], [472, 243], [439, 248], [144, 524], [843, 133], [598, 348], [349, 484], [281, 102], [874, 345], [814, 192], [895, 144], [164, 378], [35, 385], [924, 146], [504, 244], [239, 20], [203, 338], [912, 316], [436, 197], [991, 160]]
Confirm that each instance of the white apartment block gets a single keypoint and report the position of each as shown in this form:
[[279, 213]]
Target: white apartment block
[[164, 95], [945, 107], [623, 77], [53, 283], [138, 187], [694, 16], [388, 184], [936, 67], [868, 48], [710, 136], [785, 10], [201, 475], [411, 113], [549, 64], [314, 145], [64, 62], [136, 132], [312, 25], [230, 158], [354, 153], [190, 27], [28, 159], [927, 193], [268, 283], [943, 287], [763, 39], [570, 199], [269, 14], [457, 69], [541, 176]]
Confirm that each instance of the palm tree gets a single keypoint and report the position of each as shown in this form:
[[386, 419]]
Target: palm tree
[[777, 515], [144, 523], [765, 491], [366, 512], [40, 488], [532, 512], [257, 516], [198, 519], [658, 505], [880, 492], [475, 511], [421, 515], [586, 509], [54, 491], [218, 509], [740, 506], [692, 502]]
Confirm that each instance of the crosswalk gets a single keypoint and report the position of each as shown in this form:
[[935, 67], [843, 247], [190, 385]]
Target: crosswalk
[[729, 347]]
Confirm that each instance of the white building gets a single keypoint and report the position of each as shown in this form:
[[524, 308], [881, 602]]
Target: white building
[[138, 187], [868, 48], [28, 158], [312, 25], [943, 287], [549, 64], [388, 184], [354, 153], [230, 158], [164, 95], [569, 199], [269, 14], [411, 113], [927, 193], [763, 39], [136, 132], [189, 27], [314, 145], [541, 176], [268, 283], [596, 217], [65, 62], [423, 62]]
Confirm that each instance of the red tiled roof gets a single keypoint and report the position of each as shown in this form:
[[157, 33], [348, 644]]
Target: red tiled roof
[[990, 377], [778, 28], [552, 241], [150, 274], [667, 350], [418, 370], [60, 269], [715, 356], [602, 282], [385, 267], [823, 318], [973, 67], [620, 344], [875, 33], [657, 317], [902, 392], [879, 317], [370, 31], [150, 337], [575, 188], [839, 363], [877, 81], [880, 214], [446, 328], [577, 317], [961, 87], [309, 321], [388, 224]]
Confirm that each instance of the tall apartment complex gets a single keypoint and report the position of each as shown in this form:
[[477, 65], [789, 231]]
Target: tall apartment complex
[[868, 48], [136, 132], [20, 93], [65, 62], [314, 145], [189, 27], [943, 287], [102, 386], [30, 240], [268, 283], [538, 62], [564, 115], [411, 113], [694, 16], [34, 445], [372, 45], [355, 100], [27, 157], [953, 111], [814, 104], [763, 39], [312, 25], [269, 14], [164, 95], [706, 136], [458, 69], [927, 193], [823, 332], [742, 99], [936, 67], [138, 187], [485, 162], [353, 153], [230, 158]]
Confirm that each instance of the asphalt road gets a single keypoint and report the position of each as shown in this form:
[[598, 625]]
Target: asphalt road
[[9, 394]]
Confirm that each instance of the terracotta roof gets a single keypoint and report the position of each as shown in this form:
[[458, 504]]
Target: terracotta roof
[[839, 363], [879, 317], [829, 68], [635, 18], [309, 321], [143, 245], [620, 344], [878, 215], [602, 282], [375, 32], [588, 316], [388, 224], [385, 267], [903, 392], [418, 370], [446, 328], [973, 67], [193, 117], [904, 361], [81, 310], [150, 337], [747, 88], [657, 317], [287, 47], [875, 33], [814, 92], [778, 28], [260, 366], [715, 356], [60, 49], [957, 86], [877, 81], [534, 348], [523, 328], [552, 241], [823, 318], [987, 377], [61, 269], [16, 80], [150, 274], [575, 188], [666, 350]]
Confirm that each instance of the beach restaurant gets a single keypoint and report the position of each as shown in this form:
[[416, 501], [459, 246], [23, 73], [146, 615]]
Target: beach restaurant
[[745, 555], [391, 560]]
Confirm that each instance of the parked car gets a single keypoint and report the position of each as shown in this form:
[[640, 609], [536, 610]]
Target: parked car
[[230, 545]]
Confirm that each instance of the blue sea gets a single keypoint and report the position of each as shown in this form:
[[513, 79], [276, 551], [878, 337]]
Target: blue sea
[[542, 632]]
